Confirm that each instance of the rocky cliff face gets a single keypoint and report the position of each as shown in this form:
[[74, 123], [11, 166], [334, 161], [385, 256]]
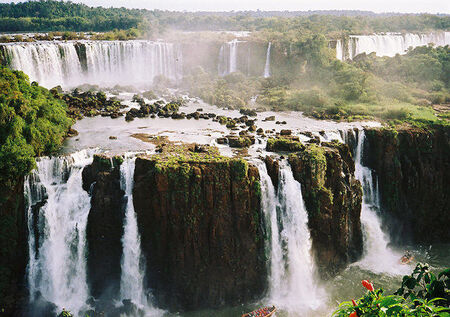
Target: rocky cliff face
[[105, 226], [201, 231], [413, 168], [332, 198], [13, 249]]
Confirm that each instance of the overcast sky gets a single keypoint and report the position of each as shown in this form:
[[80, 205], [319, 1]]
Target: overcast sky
[[413, 6]]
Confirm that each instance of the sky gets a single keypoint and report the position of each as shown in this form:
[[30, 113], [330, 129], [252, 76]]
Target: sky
[[404, 6]]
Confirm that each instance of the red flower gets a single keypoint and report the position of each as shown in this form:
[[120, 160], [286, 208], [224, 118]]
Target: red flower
[[367, 285], [354, 303], [354, 314]]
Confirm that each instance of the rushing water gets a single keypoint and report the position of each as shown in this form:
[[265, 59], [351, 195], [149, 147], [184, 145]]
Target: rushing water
[[378, 257], [292, 282], [132, 265], [228, 57], [57, 244], [74, 63], [388, 44], [267, 65]]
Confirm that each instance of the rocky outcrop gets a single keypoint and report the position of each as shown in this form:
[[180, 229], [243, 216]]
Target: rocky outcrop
[[201, 230], [413, 169], [105, 226], [13, 249], [332, 198]]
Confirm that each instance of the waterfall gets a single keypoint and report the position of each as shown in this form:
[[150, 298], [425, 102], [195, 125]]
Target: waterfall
[[267, 66], [339, 50], [57, 212], [292, 284], [391, 44], [378, 257], [106, 62], [132, 278], [228, 55]]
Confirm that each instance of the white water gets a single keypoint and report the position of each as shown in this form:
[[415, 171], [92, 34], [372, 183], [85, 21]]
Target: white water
[[378, 257], [267, 66], [391, 44], [57, 269], [292, 282], [106, 62], [339, 50], [133, 268], [228, 56]]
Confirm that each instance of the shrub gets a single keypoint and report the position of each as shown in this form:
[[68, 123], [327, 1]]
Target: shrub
[[421, 294]]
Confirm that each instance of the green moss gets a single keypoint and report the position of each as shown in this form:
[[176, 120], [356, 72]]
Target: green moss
[[284, 145], [239, 168]]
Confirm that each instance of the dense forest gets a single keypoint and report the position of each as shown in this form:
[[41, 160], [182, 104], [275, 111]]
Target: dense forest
[[32, 123], [51, 15]]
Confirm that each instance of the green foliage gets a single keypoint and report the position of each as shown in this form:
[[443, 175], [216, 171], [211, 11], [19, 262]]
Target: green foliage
[[32, 123], [421, 294], [284, 145], [424, 284]]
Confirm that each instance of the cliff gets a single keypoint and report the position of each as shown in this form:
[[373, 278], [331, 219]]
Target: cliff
[[413, 169], [199, 218], [333, 199], [105, 226], [13, 248]]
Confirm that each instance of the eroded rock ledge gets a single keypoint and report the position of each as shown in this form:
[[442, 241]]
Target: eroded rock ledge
[[200, 219], [413, 169], [333, 199], [104, 229]]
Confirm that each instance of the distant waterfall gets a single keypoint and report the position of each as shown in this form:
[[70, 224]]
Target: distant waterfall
[[132, 279], [267, 66], [390, 44], [96, 62], [58, 209], [339, 50], [292, 283], [228, 58], [378, 257]]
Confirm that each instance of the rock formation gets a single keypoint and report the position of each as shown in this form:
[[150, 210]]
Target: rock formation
[[413, 168], [201, 231]]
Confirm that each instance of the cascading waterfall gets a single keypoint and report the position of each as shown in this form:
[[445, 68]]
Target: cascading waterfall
[[228, 57], [267, 66], [57, 212], [105, 62], [292, 282], [339, 50], [378, 257], [132, 278], [390, 44]]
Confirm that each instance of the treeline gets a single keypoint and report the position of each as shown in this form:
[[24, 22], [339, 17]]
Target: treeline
[[51, 15]]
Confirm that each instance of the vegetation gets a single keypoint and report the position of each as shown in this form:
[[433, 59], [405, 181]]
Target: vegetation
[[284, 144], [32, 123], [421, 294], [52, 15], [400, 89]]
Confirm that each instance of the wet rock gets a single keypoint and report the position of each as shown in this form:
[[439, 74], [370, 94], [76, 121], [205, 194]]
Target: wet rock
[[240, 141], [273, 169], [72, 132], [413, 170], [248, 112], [285, 132], [104, 229], [269, 118], [203, 246], [284, 144], [221, 140], [333, 199]]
